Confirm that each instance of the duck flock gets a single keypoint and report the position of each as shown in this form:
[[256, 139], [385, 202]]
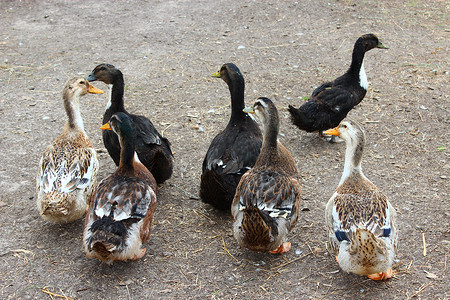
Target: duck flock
[[246, 170]]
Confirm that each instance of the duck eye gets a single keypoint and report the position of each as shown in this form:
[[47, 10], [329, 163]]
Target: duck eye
[[344, 126]]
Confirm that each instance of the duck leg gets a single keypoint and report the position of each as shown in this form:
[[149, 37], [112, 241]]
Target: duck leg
[[381, 276], [285, 247]]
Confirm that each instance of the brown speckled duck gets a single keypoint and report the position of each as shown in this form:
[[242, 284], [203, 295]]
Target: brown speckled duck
[[152, 149], [266, 205], [68, 167], [359, 218], [121, 210], [234, 150], [330, 103]]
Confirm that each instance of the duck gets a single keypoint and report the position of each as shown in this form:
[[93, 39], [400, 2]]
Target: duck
[[121, 210], [330, 103], [265, 207], [68, 167], [234, 150], [359, 218], [152, 149]]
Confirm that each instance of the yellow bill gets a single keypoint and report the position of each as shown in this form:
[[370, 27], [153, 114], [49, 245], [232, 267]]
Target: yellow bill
[[216, 74], [106, 127], [93, 90], [333, 131]]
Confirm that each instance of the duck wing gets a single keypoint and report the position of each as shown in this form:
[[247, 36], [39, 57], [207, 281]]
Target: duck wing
[[352, 208], [322, 87], [233, 153], [275, 193], [66, 168], [146, 132], [335, 100], [122, 198]]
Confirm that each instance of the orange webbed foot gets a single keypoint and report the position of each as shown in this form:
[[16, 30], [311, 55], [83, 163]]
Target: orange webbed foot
[[381, 276], [285, 247], [140, 254]]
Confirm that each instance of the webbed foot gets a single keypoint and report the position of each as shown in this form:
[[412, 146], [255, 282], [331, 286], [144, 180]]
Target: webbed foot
[[285, 247], [381, 276], [139, 254]]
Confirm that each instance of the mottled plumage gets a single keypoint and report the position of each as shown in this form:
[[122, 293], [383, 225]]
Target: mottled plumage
[[68, 167], [359, 218], [121, 211], [266, 204], [152, 149], [234, 150], [330, 103]]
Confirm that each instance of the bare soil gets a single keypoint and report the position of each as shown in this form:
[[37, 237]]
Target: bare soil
[[167, 51]]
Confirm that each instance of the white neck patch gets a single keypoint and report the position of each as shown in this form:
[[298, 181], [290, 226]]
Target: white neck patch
[[108, 105], [363, 78], [136, 157]]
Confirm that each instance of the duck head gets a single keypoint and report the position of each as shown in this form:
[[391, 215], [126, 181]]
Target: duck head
[[106, 73], [229, 73], [79, 86], [371, 41]]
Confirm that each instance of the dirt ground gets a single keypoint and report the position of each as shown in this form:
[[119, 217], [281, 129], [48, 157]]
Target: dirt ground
[[167, 51]]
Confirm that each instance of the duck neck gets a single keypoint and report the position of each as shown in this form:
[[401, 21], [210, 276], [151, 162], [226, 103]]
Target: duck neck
[[115, 103], [357, 66], [127, 152], [237, 88], [353, 157], [72, 106], [270, 139]]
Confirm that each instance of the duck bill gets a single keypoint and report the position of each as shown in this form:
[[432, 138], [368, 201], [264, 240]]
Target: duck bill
[[381, 46], [106, 127], [91, 77], [216, 74], [249, 110], [93, 90], [333, 131]]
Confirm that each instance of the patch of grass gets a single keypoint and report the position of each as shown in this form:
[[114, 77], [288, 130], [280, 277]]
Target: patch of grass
[[441, 148]]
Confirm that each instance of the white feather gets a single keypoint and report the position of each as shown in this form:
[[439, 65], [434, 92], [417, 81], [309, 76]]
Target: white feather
[[363, 78], [108, 105]]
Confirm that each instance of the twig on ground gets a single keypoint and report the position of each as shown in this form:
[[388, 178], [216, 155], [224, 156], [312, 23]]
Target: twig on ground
[[226, 250], [420, 290], [191, 196], [203, 215], [329, 287], [51, 294], [292, 261], [424, 245], [164, 130]]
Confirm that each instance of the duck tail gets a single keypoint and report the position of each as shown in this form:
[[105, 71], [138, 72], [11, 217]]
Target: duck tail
[[298, 118], [363, 241], [57, 204], [106, 237], [257, 225]]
